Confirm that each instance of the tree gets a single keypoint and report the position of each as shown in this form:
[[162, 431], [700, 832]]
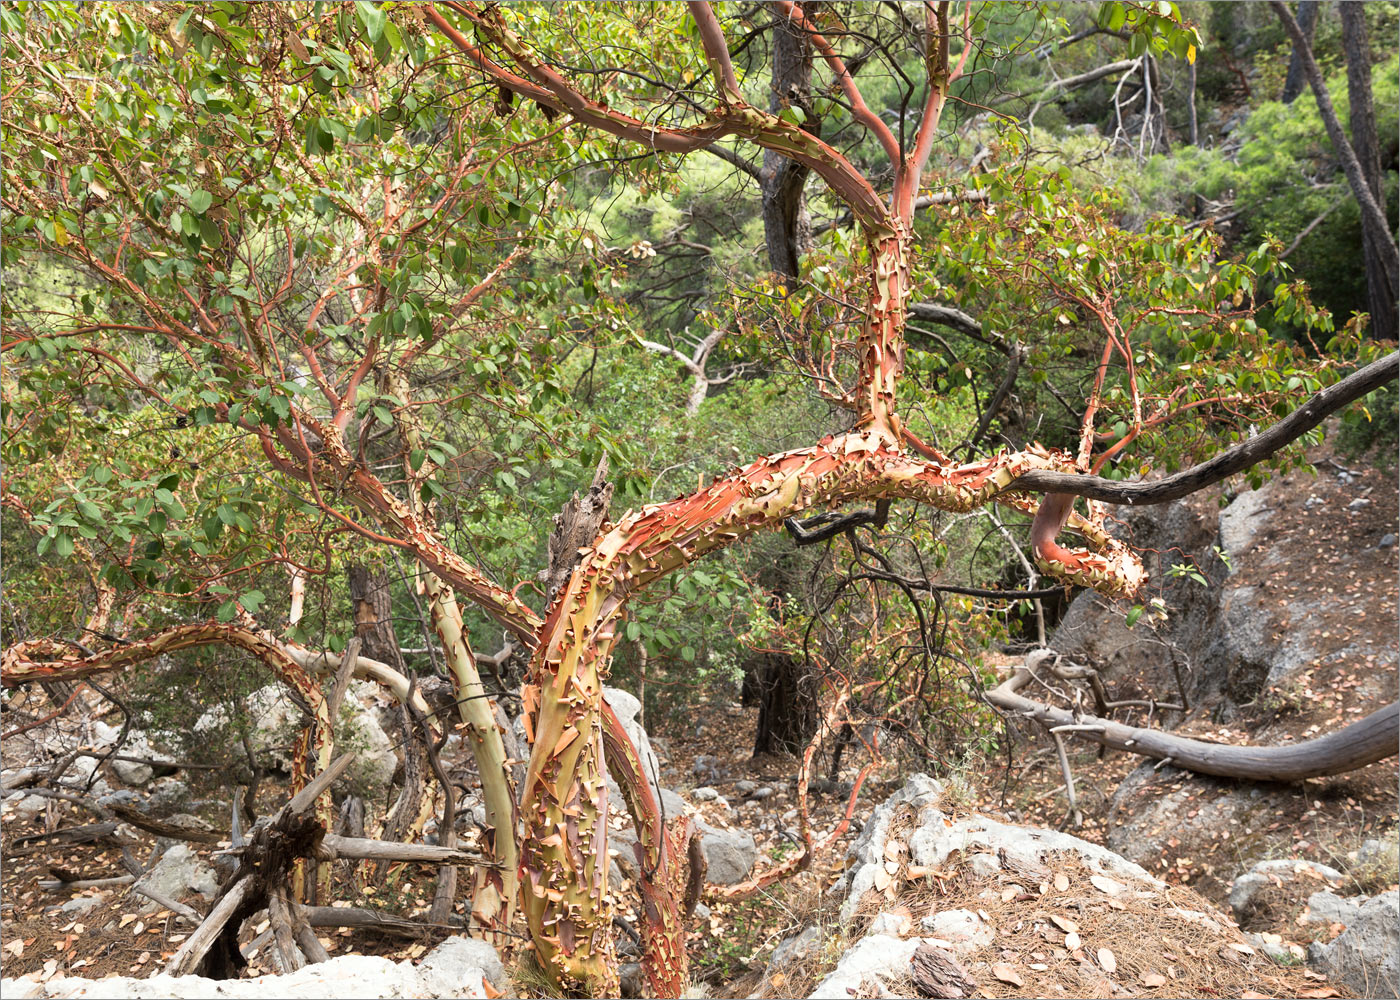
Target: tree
[[1380, 279], [1381, 255], [1296, 79], [332, 252]]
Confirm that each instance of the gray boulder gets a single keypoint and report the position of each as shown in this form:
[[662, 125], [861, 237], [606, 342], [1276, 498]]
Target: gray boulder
[[795, 948], [457, 958], [178, 873], [729, 854], [1328, 908], [869, 964], [1366, 956], [278, 721]]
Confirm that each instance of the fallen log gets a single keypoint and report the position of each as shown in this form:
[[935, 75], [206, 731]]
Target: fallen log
[[1364, 742], [367, 919], [365, 849]]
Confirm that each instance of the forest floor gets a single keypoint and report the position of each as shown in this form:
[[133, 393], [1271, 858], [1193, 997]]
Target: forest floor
[[1321, 548]]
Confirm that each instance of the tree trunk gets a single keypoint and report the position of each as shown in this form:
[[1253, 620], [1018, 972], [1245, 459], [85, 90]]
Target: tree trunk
[[787, 706], [781, 179], [1380, 282], [1296, 80], [374, 616], [1379, 240]]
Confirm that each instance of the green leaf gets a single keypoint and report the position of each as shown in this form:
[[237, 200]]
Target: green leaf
[[200, 201], [1134, 615], [372, 18]]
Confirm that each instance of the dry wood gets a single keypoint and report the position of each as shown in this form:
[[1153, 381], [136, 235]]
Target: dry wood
[[358, 916], [936, 973], [62, 885], [141, 821], [387, 850], [1367, 741], [185, 961], [284, 946], [189, 913]]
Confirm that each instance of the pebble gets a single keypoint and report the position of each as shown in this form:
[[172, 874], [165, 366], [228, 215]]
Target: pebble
[[1360, 503], [1313, 501], [1387, 541], [704, 794]]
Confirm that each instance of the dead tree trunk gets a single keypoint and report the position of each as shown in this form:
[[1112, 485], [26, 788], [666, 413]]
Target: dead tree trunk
[[1372, 739]]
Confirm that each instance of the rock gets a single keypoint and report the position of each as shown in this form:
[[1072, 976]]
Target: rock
[[671, 804], [24, 808], [178, 873], [795, 949], [1313, 502], [81, 904], [1379, 860], [704, 794], [1328, 908], [962, 930], [1022, 846], [729, 854], [459, 957], [1197, 810], [1276, 950], [168, 795], [921, 794], [1366, 956], [278, 721], [745, 786], [137, 744], [984, 865], [354, 977], [1360, 503], [758, 794], [707, 767], [1387, 541], [875, 958], [892, 923], [630, 979], [1245, 890], [121, 797], [1241, 521]]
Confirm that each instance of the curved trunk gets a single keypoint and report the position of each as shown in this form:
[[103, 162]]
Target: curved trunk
[[564, 807], [1372, 739]]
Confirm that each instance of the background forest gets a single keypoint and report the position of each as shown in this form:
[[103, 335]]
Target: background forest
[[514, 315]]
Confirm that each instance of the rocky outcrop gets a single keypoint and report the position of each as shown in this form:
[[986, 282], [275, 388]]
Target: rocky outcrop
[[987, 904], [1366, 956], [278, 721]]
